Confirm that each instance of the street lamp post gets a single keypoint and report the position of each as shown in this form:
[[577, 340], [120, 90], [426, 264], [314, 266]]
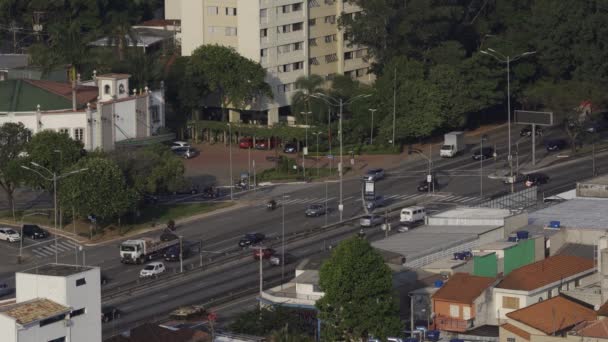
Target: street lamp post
[[481, 156], [317, 134], [332, 101], [283, 239], [508, 59], [371, 135], [230, 157], [54, 177], [305, 152]]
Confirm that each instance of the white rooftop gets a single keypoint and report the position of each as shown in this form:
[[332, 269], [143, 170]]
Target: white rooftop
[[575, 213]]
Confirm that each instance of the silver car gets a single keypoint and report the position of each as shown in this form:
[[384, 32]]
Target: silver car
[[315, 210], [377, 202], [374, 175], [371, 220]]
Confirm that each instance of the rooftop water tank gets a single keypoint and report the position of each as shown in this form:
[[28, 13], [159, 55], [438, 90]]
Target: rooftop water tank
[[554, 224], [438, 283], [522, 235]]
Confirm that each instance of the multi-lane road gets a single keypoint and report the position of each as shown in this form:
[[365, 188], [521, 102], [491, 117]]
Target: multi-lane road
[[459, 184]]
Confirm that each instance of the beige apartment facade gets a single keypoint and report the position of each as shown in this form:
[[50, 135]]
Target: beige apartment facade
[[289, 38]]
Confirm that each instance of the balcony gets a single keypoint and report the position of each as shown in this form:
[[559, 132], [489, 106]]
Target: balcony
[[452, 324]]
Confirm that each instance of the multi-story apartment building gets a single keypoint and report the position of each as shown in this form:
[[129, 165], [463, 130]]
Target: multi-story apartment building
[[289, 38]]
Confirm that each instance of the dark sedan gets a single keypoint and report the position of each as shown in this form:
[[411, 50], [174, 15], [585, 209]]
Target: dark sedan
[[533, 179], [290, 148], [484, 153], [555, 145], [251, 239], [314, 210]]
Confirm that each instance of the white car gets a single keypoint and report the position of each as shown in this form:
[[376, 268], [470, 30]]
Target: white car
[[152, 269], [9, 234], [179, 144]]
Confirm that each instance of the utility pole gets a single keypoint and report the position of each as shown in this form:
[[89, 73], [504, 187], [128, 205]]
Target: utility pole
[[371, 135], [230, 156], [394, 102]]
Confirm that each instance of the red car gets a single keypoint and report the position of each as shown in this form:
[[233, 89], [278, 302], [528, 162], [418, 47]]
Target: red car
[[266, 253], [246, 143]]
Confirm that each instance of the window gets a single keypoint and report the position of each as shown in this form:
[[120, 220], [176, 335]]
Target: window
[[298, 65], [466, 313], [212, 10], [106, 89], [360, 53], [51, 320], [79, 134], [510, 339], [312, 22], [510, 302], [312, 42], [230, 11], [231, 31], [284, 29], [214, 29], [577, 283], [454, 311], [263, 13], [285, 9], [313, 61], [81, 281], [285, 68], [296, 7], [78, 312], [154, 113], [264, 33], [263, 52], [348, 55], [284, 48], [328, 39], [298, 46], [59, 339], [361, 72], [330, 2], [64, 131], [330, 19], [297, 27], [331, 58]]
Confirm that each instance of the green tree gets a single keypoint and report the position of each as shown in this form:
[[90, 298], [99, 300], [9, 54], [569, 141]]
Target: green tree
[[101, 190], [237, 80], [301, 101], [359, 301], [13, 138]]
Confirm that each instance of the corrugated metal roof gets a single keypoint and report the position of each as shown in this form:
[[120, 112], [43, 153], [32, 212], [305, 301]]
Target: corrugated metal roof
[[575, 213]]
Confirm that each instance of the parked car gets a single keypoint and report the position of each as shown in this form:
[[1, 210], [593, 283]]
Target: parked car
[[246, 143], [9, 234], [152, 269], [596, 126], [110, 313], [376, 202], [266, 253], [555, 145], [314, 210], [423, 186], [179, 144], [266, 144], [290, 148], [527, 131], [371, 220], [34, 232], [536, 179], [484, 153], [186, 152], [251, 239], [276, 259], [374, 175]]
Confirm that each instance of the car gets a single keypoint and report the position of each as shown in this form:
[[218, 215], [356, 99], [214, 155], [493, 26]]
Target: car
[[484, 153], [374, 175], [371, 220], [152, 269], [172, 254], [314, 210], [110, 313], [34, 231], [290, 148], [275, 260], [179, 144], [533, 179], [266, 144], [251, 239], [527, 131], [516, 178], [9, 234], [377, 202], [596, 126], [186, 152], [423, 186], [188, 312], [246, 142], [555, 145], [266, 253]]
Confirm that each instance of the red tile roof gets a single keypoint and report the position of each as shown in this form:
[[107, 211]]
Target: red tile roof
[[515, 330], [596, 329], [553, 315], [603, 310], [463, 288], [84, 94], [545, 272]]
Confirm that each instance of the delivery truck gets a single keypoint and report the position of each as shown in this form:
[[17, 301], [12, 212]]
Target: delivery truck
[[452, 145], [137, 251]]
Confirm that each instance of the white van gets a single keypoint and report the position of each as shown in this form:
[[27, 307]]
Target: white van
[[412, 214]]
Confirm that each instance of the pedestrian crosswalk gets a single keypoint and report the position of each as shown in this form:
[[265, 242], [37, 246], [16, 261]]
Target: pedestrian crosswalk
[[465, 200], [48, 250]]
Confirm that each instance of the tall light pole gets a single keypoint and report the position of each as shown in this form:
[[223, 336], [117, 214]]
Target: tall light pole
[[305, 152], [332, 101], [283, 239], [53, 177], [317, 134], [508, 59], [371, 136], [481, 156], [394, 102], [230, 157]]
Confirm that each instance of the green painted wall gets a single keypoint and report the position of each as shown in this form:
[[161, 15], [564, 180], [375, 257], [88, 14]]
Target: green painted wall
[[518, 256], [485, 266]]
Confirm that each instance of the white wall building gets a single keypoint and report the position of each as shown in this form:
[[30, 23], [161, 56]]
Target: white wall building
[[54, 303], [98, 113], [289, 38]]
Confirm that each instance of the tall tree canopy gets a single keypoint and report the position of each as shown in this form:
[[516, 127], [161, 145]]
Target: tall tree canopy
[[13, 138]]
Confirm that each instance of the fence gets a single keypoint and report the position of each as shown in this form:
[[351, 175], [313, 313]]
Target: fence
[[518, 200]]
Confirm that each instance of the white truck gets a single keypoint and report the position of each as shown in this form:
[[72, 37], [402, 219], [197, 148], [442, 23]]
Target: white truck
[[139, 250], [452, 145]]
